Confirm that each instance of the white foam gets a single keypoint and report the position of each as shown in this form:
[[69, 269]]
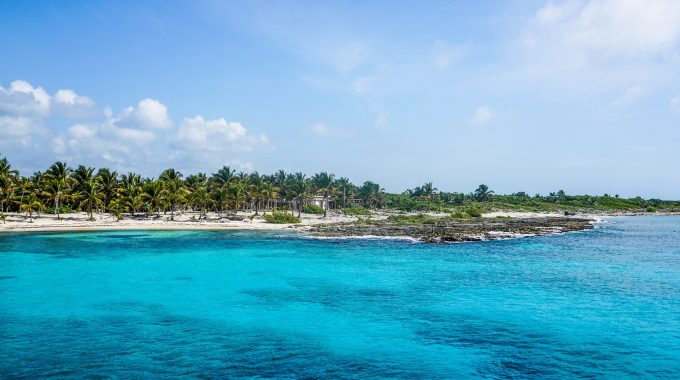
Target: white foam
[[365, 237]]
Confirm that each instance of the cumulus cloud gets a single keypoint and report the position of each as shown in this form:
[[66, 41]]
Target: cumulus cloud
[[482, 115], [604, 29], [103, 141], [140, 137], [149, 113], [21, 98], [19, 131], [69, 104], [217, 135], [631, 95], [324, 131]]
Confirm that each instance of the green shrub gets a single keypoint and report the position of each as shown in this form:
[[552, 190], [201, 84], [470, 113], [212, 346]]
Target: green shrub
[[459, 215], [473, 212], [412, 219], [281, 218], [312, 209], [651, 209], [356, 211]]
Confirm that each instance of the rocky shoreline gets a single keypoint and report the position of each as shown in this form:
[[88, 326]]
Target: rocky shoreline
[[446, 230]]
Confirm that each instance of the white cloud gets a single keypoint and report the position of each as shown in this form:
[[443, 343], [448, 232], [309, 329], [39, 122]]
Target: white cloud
[[217, 135], [69, 104], [482, 115], [19, 131], [21, 98], [324, 131], [105, 141], [140, 137], [631, 95], [149, 113], [605, 29]]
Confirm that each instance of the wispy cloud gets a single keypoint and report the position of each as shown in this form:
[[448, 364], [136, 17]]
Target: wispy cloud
[[631, 95], [482, 115], [325, 131]]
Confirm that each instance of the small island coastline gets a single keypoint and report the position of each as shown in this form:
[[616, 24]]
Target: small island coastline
[[429, 228]]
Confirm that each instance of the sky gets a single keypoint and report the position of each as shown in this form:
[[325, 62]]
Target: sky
[[522, 95]]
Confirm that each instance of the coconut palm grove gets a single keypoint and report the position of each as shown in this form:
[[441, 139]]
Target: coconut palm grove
[[62, 189]]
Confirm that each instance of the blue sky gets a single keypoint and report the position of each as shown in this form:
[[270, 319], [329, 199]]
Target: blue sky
[[522, 95]]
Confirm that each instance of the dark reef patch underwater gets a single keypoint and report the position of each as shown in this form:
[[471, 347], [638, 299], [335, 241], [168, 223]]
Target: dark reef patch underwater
[[597, 303]]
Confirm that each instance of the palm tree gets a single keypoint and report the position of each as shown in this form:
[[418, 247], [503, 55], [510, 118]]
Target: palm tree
[[224, 176], [108, 184], [201, 200], [23, 186], [81, 175], [170, 175], [254, 182], [345, 186], [130, 179], [132, 197], [267, 193], [90, 197], [196, 180], [7, 179], [237, 194], [6, 190], [427, 192], [323, 183], [173, 193], [299, 189], [483, 193], [220, 197], [55, 190], [153, 196], [371, 193], [59, 172], [30, 204]]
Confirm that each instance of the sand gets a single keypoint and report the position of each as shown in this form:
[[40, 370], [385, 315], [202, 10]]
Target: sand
[[183, 221]]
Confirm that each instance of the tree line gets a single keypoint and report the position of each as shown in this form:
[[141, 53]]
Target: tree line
[[63, 189]]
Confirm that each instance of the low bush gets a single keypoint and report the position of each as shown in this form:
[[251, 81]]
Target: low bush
[[473, 212], [281, 218], [312, 209], [418, 218], [459, 215]]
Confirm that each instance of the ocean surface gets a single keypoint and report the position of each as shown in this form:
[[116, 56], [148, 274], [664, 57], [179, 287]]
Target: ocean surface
[[212, 304]]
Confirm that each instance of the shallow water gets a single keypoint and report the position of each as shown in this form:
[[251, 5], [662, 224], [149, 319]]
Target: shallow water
[[601, 303]]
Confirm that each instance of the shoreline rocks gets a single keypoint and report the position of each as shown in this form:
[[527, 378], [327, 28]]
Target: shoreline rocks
[[444, 230]]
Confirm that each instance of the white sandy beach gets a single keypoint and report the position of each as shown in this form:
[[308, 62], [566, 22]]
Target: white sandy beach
[[183, 221]]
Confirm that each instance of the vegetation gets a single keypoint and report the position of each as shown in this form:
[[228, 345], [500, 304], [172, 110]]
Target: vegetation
[[62, 189], [312, 209], [281, 218]]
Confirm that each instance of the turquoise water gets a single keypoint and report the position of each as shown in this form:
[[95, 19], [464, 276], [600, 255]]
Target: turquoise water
[[603, 303]]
